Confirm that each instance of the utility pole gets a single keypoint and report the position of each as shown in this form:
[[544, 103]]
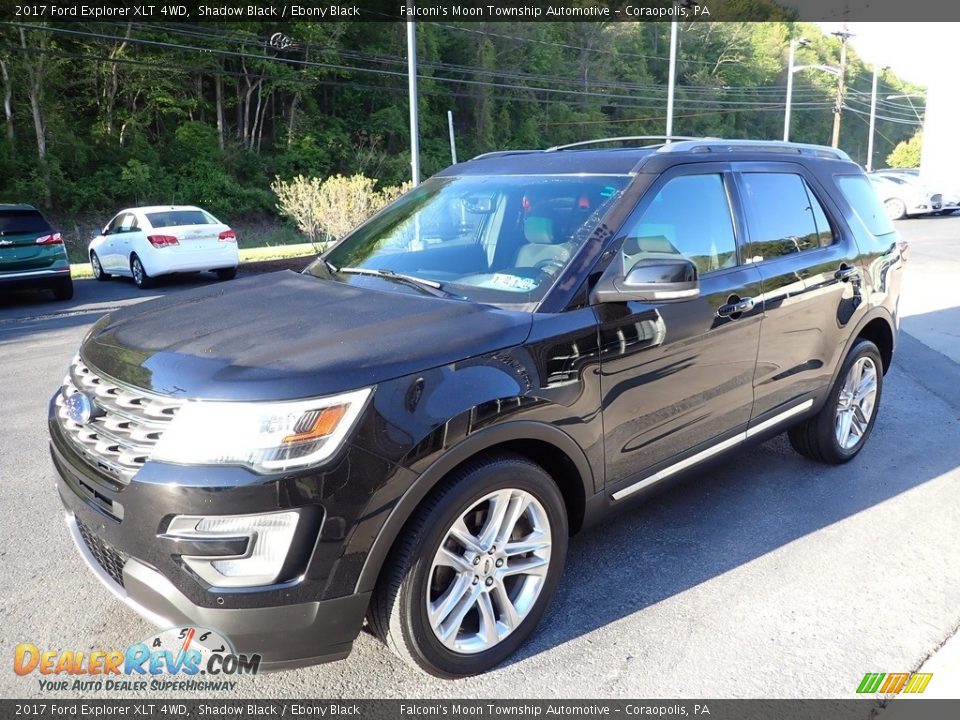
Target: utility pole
[[791, 69], [873, 115], [414, 99], [453, 140], [672, 81], [841, 85]]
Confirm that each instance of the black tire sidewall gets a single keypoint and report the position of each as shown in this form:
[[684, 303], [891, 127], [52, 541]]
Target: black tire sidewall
[[474, 486], [863, 348]]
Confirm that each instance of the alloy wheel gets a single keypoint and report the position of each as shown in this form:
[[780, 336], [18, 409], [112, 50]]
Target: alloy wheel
[[856, 402], [138, 273], [489, 571]]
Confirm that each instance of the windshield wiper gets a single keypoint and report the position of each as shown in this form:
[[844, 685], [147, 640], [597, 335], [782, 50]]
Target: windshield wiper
[[431, 287]]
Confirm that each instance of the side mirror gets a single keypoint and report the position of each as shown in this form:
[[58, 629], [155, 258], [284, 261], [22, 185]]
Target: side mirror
[[651, 280]]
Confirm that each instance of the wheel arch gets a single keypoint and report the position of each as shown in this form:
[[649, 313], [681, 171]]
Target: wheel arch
[[546, 445], [878, 329]]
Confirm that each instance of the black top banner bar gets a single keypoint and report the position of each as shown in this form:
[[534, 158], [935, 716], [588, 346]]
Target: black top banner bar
[[485, 11], [219, 709]]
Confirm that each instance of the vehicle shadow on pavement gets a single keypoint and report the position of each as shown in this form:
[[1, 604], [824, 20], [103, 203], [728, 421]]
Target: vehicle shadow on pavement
[[731, 513], [22, 311]]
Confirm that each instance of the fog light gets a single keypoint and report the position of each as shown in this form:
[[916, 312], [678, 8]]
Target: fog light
[[269, 537]]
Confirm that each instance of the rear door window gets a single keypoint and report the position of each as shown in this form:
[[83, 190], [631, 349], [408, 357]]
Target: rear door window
[[783, 216], [16, 222]]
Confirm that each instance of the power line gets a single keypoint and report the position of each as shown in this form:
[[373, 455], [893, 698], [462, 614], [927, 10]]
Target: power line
[[347, 68]]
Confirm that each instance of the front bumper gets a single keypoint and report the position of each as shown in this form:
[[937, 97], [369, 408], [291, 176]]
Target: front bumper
[[286, 636], [306, 620]]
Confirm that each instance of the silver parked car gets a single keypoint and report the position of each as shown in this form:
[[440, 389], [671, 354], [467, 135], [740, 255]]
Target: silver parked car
[[903, 196]]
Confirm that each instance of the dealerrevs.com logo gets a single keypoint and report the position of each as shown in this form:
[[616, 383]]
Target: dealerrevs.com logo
[[178, 659]]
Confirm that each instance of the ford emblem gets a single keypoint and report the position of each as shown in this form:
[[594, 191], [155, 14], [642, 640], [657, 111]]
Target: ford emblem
[[79, 408]]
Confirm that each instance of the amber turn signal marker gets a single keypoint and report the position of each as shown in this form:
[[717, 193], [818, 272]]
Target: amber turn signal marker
[[317, 424]]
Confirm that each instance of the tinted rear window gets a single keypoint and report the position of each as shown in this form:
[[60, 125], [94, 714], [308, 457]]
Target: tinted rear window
[[865, 203], [13, 222], [173, 218]]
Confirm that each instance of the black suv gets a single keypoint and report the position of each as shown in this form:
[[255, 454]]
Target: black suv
[[409, 430]]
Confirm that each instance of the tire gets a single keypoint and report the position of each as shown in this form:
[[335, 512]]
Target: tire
[[98, 272], [838, 432], [64, 290], [399, 612], [896, 208], [140, 276], [226, 273]]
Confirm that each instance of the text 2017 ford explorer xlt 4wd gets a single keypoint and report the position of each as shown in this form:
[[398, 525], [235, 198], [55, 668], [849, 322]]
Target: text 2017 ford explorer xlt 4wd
[[410, 430]]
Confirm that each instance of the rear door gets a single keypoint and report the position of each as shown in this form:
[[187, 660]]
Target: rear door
[[677, 377], [20, 229], [811, 283]]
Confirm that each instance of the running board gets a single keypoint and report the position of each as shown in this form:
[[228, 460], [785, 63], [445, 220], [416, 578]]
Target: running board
[[712, 450]]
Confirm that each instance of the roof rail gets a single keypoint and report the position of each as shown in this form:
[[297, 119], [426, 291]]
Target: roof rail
[[625, 138], [494, 153], [718, 145]]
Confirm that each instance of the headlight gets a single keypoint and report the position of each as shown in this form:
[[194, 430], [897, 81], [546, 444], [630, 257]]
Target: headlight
[[268, 541], [267, 437]]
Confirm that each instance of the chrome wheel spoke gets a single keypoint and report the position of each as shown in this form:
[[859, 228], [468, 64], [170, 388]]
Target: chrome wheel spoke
[[461, 534], [532, 565], [518, 506], [450, 559], [508, 612], [499, 505], [450, 627], [488, 620], [440, 609], [530, 544], [843, 427]]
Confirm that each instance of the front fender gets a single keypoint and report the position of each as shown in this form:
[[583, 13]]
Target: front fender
[[470, 446]]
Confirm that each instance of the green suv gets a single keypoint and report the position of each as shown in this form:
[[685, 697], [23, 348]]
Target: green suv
[[32, 255]]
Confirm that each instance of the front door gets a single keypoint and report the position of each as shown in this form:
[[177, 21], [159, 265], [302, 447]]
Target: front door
[[677, 377]]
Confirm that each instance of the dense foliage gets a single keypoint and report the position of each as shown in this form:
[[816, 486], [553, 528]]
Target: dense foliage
[[907, 153], [104, 115]]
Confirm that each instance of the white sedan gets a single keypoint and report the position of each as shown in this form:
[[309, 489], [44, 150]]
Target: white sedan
[[903, 196], [145, 242]]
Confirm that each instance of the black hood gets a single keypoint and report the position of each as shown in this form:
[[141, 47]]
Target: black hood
[[284, 335]]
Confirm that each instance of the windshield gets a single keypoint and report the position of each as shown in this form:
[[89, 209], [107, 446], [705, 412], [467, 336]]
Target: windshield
[[499, 239]]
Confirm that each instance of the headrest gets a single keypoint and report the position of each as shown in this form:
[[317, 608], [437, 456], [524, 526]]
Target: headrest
[[650, 243], [538, 230]]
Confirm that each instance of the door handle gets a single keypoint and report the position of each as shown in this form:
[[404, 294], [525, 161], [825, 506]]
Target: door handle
[[846, 273], [736, 308]]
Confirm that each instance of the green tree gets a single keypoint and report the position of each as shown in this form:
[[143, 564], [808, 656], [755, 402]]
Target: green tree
[[907, 154]]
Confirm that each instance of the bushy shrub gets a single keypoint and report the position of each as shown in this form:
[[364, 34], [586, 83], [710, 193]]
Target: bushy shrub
[[326, 210]]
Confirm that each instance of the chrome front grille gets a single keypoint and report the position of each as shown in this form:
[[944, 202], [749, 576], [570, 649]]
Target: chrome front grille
[[123, 429]]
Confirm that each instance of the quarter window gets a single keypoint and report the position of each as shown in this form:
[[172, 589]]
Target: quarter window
[[783, 216], [690, 216], [863, 199]]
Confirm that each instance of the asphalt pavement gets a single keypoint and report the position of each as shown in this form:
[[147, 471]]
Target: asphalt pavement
[[768, 576]]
